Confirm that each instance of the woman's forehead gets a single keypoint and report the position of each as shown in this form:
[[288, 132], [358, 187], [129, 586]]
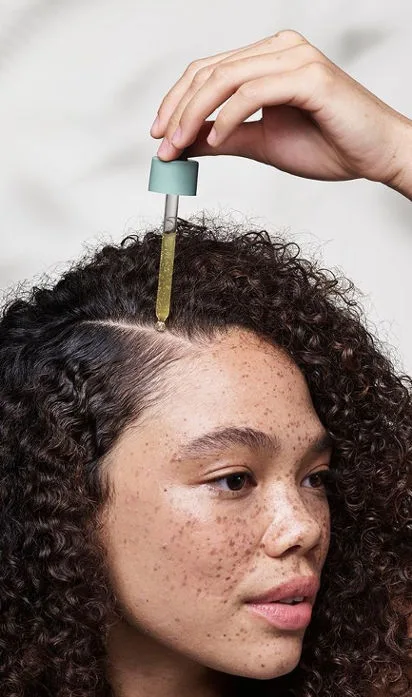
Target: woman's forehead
[[240, 382], [238, 366]]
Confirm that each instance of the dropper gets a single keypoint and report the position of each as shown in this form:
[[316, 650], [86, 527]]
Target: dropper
[[175, 178]]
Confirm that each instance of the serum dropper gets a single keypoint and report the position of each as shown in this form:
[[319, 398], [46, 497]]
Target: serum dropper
[[175, 178]]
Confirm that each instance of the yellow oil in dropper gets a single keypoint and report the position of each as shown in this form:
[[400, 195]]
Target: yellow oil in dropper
[[167, 257]]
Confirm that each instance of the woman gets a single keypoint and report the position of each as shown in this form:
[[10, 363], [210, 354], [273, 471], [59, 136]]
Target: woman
[[222, 509]]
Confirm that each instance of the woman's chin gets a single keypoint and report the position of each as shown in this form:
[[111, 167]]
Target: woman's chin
[[267, 664]]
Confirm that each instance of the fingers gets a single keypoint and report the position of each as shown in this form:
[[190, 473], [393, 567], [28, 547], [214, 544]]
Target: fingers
[[303, 88], [218, 83], [244, 142], [181, 94], [294, 88], [176, 94]]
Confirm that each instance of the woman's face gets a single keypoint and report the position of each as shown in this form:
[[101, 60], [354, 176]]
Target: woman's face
[[186, 552]]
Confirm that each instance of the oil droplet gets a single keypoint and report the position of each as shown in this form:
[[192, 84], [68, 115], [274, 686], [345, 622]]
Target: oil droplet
[[160, 326]]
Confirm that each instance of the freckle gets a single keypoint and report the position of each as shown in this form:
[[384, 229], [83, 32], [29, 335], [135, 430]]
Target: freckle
[[219, 519]]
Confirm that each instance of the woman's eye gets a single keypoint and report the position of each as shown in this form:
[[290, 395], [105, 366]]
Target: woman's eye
[[234, 481], [320, 480]]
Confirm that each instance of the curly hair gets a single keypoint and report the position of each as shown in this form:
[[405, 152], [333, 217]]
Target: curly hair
[[78, 365]]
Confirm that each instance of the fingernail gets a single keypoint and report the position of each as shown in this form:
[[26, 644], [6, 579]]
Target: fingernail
[[165, 148], [155, 123], [176, 137], [212, 137]]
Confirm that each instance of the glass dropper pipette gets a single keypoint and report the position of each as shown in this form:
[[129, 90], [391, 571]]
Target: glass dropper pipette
[[167, 257]]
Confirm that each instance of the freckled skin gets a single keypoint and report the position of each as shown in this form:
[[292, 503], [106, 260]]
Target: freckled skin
[[183, 559]]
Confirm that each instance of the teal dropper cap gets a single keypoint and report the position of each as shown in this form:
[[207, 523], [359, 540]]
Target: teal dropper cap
[[177, 177]]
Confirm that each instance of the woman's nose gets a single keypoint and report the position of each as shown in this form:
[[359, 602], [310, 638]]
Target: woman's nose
[[294, 522]]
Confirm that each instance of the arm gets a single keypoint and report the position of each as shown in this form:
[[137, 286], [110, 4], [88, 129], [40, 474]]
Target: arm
[[402, 181]]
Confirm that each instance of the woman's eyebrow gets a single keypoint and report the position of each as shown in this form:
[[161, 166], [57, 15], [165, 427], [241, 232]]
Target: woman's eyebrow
[[221, 439]]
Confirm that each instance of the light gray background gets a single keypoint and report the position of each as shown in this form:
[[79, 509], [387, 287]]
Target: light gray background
[[80, 84]]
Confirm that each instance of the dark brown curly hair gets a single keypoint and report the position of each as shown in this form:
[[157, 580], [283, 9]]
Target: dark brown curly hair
[[72, 378]]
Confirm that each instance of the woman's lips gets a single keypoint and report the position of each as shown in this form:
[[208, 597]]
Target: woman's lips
[[282, 615]]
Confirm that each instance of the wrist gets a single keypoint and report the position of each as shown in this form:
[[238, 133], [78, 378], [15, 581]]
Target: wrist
[[401, 180]]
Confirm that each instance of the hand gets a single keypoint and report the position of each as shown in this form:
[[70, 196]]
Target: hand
[[317, 122]]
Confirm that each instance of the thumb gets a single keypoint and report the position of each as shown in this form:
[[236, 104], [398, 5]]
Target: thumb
[[245, 141]]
